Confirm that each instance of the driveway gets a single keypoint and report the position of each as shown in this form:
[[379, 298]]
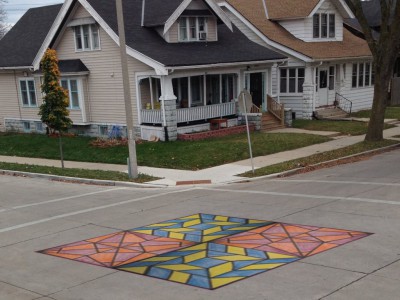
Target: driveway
[[360, 200]]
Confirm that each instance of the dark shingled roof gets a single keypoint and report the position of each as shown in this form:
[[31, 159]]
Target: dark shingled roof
[[72, 66], [372, 11], [156, 13], [231, 47], [21, 44]]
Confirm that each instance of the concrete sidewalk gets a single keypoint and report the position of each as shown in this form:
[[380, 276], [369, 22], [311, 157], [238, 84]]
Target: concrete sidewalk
[[220, 174]]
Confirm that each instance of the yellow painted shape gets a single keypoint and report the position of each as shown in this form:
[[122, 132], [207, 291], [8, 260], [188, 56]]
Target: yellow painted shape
[[161, 258], [195, 216], [223, 223], [144, 231], [220, 269], [212, 230], [212, 237], [235, 258], [273, 255], [196, 247], [138, 270], [217, 282], [257, 221], [178, 229], [261, 267], [221, 218], [176, 235], [195, 256], [179, 277], [179, 267], [161, 224], [192, 223], [242, 228], [236, 250]]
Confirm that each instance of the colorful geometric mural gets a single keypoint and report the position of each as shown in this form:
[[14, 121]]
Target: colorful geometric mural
[[204, 250]]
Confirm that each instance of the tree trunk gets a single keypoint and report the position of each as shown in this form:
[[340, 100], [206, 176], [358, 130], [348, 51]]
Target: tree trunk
[[381, 98], [61, 150]]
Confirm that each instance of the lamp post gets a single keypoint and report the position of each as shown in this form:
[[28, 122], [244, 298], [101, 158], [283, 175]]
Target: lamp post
[[132, 161]]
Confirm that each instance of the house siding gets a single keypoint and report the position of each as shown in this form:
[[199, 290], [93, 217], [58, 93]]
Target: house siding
[[104, 98]]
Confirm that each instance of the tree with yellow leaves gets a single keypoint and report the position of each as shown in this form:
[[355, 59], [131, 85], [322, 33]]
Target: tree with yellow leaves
[[54, 110]]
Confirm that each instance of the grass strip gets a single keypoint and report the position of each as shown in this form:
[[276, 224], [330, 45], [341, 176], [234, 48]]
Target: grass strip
[[78, 173], [390, 113], [185, 155], [344, 127], [319, 158]]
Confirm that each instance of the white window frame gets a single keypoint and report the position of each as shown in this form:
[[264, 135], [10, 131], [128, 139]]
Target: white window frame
[[188, 36], [26, 80], [288, 93], [91, 38], [328, 27], [79, 86], [370, 82]]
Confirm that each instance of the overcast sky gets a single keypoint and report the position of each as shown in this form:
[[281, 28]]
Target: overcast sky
[[16, 8]]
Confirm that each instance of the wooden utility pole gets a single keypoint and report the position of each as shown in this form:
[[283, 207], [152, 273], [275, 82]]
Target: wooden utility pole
[[132, 161]]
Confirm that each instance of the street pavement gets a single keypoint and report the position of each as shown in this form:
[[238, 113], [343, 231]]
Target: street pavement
[[37, 214]]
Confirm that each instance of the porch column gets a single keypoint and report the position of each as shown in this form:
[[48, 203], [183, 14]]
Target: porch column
[[308, 93], [168, 106]]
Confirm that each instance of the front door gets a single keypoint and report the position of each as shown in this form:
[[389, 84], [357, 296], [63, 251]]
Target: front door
[[255, 84], [323, 87]]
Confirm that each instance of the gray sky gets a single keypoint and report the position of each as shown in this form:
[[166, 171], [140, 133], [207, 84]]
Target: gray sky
[[16, 8]]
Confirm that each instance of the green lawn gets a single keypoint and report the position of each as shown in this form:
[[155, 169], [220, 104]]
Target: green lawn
[[176, 155], [390, 113], [80, 173], [320, 157], [344, 127]]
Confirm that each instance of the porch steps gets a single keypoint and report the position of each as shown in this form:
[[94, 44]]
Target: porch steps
[[330, 113], [270, 122]]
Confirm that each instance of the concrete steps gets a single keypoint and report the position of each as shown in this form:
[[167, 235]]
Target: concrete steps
[[270, 122], [330, 113]]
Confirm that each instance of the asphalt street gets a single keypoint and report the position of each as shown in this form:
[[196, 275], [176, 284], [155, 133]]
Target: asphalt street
[[36, 214]]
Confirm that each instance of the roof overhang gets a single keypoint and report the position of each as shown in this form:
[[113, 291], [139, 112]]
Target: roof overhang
[[341, 5], [216, 9]]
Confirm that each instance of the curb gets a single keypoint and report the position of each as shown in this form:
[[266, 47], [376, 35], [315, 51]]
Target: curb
[[295, 171], [81, 180]]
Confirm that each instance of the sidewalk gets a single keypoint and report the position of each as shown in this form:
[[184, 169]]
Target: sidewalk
[[220, 174]]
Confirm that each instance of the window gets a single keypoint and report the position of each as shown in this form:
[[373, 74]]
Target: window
[[331, 78], [39, 126], [103, 130], [27, 126], [192, 28], [362, 75], [197, 88], [28, 92], [87, 37], [73, 92], [324, 26], [292, 80]]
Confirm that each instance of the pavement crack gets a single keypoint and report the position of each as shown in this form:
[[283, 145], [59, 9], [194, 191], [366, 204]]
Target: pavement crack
[[330, 267], [16, 286], [302, 210]]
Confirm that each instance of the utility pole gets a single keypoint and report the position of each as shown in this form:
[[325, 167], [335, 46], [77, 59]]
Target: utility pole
[[132, 161]]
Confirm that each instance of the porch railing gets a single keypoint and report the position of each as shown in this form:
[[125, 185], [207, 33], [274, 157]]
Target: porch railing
[[275, 108], [154, 116], [255, 109], [151, 116], [205, 112], [343, 103]]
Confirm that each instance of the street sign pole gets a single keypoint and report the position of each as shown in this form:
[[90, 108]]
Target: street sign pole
[[248, 133]]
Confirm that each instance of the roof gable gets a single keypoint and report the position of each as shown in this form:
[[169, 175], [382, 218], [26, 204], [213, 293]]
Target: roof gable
[[154, 16], [20, 45]]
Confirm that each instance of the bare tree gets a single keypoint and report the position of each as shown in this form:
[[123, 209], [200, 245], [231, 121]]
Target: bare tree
[[3, 18], [385, 50]]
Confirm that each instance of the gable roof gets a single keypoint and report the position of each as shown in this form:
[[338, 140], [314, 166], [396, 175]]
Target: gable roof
[[289, 9], [351, 46], [231, 47], [154, 16], [21, 44]]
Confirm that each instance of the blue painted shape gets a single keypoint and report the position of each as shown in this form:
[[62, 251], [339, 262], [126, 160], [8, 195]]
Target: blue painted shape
[[192, 237], [278, 261], [172, 261], [199, 281], [206, 262], [256, 253], [239, 273], [216, 247], [243, 263], [160, 232], [159, 273], [216, 253], [207, 217], [202, 226], [202, 272], [240, 220]]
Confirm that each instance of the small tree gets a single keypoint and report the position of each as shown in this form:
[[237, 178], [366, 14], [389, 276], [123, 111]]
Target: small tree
[[54, 110], [3, 17]]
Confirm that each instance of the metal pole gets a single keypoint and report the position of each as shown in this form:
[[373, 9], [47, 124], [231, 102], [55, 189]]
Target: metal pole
[[248, 133], [132, 165]]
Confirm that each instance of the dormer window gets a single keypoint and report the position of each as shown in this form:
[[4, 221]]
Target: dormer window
[[324, 26], [192, 29], [87, 37]]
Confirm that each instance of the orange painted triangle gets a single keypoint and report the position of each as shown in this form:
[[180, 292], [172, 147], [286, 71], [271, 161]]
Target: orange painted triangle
[[322, 248], [103, 257], [261, 229], [66, 255], [287, 247], [79, 247], [104, 237], [292, 228], [331, 238], [132, 238]]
